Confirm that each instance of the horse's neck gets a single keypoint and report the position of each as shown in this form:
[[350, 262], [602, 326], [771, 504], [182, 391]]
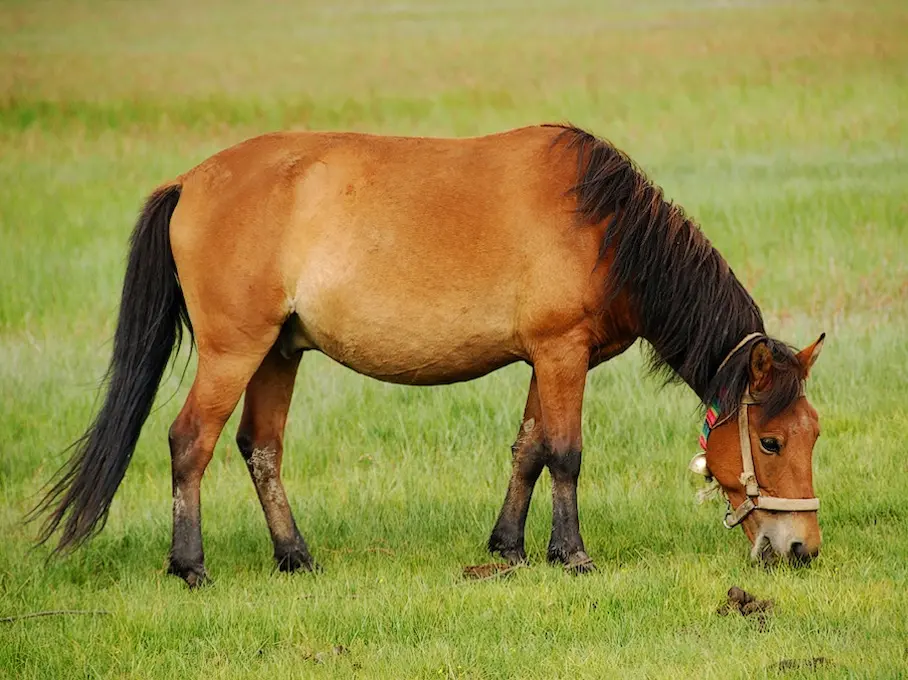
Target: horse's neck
[[694, 343]]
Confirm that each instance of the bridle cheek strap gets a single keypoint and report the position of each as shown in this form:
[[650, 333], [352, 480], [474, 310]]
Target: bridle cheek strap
[[749, 476], [756, 501]]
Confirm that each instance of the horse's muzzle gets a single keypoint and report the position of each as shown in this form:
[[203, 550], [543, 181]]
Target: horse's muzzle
[[796, 553]]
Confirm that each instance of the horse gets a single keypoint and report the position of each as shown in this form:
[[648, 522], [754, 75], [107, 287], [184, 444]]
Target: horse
[[428, 261]]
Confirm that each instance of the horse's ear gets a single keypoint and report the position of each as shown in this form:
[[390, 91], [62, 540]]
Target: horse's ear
[[760, 367], [808, 356]]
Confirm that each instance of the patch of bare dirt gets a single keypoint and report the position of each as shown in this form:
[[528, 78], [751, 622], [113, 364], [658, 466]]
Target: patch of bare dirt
[[482, 572]]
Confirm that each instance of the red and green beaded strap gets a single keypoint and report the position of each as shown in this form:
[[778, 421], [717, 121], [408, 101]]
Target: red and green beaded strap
[[712, 416]]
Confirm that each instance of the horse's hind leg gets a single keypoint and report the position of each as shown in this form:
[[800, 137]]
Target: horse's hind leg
[[221, 378], [261, 441]]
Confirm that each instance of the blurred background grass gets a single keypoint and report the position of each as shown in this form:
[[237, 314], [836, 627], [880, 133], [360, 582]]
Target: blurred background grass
[[779, 126]]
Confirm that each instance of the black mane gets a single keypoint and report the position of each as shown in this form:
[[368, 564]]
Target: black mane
[[692, 309]]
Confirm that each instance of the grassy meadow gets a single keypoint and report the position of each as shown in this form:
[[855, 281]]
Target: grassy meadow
[[779, 126]]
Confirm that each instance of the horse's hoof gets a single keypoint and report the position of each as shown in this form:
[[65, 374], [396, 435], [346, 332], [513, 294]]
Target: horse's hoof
[[197, 580], [574, 563], [297, 560], [194, 576], [513, 557], [511, 550]]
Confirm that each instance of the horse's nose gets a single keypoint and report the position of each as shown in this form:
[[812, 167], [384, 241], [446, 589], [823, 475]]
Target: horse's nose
[[801, 555]]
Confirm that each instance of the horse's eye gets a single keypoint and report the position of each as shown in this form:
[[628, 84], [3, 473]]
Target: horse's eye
[[770, 445]]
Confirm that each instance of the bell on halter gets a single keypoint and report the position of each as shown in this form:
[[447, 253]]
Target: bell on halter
[[698, 466], [712, 489]]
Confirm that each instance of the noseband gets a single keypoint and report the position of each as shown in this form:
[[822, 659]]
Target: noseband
[[755, 499]]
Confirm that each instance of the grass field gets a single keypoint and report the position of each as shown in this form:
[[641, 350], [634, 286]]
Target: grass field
[[780, 126]]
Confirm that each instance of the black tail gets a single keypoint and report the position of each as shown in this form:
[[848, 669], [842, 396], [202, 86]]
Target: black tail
[[150, 324]]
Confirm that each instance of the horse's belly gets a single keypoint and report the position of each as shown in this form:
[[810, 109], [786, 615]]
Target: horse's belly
[[404, 353], [401, 284], [410, 337]]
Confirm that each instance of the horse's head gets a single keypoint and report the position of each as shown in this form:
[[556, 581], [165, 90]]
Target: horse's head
[[761, 457]]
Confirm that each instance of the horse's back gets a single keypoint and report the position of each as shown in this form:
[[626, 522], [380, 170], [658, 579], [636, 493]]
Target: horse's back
[[409, 259]]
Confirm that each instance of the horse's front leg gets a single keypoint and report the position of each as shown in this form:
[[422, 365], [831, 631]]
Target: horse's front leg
[[561, 373], [528, 459]]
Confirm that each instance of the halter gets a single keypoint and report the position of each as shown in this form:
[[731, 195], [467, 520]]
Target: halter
[[755, 500]]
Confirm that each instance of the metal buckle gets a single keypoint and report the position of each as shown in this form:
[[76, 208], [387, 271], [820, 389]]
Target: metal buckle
[[728, 513]]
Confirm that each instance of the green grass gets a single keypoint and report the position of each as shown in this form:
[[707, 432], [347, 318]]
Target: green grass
[[779, 126]]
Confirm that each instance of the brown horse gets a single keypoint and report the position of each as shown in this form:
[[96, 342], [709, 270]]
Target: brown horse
[[429, 261]]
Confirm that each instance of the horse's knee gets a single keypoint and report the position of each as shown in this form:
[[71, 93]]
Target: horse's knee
[[528, 460], [564, 458]]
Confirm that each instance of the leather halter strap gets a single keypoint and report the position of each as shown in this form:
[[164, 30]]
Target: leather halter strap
[[747, 338], [755, 499]]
